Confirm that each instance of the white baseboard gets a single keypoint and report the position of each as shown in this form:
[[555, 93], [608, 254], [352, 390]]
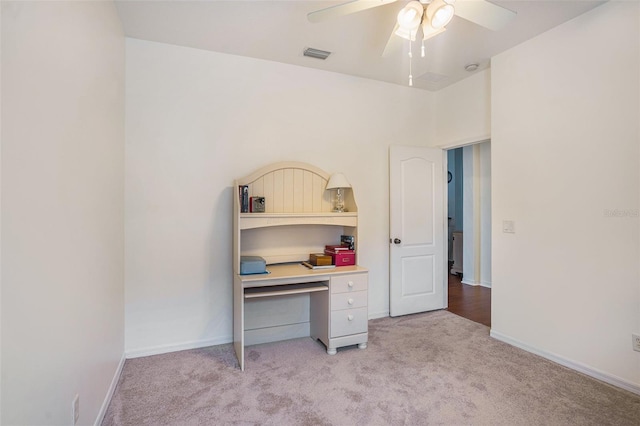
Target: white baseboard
[[574, 365], [112, 389], [164, 349], [196, 344], [486, 284], [376, 315]]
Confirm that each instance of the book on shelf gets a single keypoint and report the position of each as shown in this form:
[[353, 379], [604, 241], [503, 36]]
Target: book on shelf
[[244, 198], [310, 266], [336, 247]]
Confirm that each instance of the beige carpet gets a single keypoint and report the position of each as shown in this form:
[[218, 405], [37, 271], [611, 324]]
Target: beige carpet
[[434, 368]]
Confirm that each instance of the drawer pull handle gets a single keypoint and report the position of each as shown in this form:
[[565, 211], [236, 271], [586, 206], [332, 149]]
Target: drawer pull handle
[[350, 317], [350, 301], [350, 283]]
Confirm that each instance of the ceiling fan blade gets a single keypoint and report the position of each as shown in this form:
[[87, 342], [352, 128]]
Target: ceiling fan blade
[[394, 43], [484, 13], [345, 9]]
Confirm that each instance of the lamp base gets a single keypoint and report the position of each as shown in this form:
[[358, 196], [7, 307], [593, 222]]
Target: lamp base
[[339, 205]]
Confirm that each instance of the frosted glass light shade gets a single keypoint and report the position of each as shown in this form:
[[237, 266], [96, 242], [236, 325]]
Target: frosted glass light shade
[[410, 16], [439, 13], [409, 19]]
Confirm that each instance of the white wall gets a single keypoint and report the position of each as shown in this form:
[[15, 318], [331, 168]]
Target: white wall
[[470, 216], [565, 149], [195, 121], [477, 214], [463, 111], [62, 209], [484, 152], [463, 116]]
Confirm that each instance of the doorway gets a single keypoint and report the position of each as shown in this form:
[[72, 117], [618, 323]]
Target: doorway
[[469, 231]]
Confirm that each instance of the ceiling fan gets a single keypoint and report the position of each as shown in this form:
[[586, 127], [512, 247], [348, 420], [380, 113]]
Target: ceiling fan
[[428, 17]]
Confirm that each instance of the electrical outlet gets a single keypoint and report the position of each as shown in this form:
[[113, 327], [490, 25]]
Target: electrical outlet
[[636, 342], [508, 226], [75, 409]]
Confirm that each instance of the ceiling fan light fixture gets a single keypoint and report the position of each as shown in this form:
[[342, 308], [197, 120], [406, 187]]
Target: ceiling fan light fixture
[[407, 17], [406, 34], [440, 13], [428, 31]]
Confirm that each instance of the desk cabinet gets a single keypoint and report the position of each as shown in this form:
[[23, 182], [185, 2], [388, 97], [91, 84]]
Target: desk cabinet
[[297, 221], [347, 322]]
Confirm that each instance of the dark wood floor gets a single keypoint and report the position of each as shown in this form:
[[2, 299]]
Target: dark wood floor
[[468, 301]]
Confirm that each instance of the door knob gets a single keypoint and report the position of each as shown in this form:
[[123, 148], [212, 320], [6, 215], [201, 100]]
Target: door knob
[[397, 241]]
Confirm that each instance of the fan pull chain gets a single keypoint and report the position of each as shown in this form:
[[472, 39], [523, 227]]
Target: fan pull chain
[[422, 48], [410, 68]]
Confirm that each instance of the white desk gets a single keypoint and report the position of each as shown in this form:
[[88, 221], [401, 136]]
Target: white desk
[[338, 313], [292, 301]]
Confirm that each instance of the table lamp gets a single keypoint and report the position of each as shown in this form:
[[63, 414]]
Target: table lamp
[[338, 182]]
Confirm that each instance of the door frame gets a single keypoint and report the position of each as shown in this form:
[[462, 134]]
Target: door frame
[[445, 148]]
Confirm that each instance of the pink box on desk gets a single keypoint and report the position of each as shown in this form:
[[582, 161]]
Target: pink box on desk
[[341, 257]]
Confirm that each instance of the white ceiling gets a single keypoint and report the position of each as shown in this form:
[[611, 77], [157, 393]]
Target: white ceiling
[[279, 31]]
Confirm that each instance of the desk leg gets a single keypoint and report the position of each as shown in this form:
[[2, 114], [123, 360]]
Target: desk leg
[[238, 320]]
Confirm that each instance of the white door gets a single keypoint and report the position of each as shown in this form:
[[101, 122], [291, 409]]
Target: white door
[[417, 226]]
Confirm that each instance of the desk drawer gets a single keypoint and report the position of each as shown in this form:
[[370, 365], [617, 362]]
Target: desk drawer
[[356, 299], [348, 283], [348, 321]]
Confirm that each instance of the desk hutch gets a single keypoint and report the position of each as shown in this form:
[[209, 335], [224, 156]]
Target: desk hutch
[[330, 305]]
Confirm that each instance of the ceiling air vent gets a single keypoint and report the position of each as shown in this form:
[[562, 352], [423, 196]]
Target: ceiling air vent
[[316, 53]]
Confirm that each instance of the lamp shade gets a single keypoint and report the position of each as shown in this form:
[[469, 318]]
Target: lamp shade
[[337, 180]]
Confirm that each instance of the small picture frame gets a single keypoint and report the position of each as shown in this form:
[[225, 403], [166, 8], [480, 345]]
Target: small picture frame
[[256, 204]]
